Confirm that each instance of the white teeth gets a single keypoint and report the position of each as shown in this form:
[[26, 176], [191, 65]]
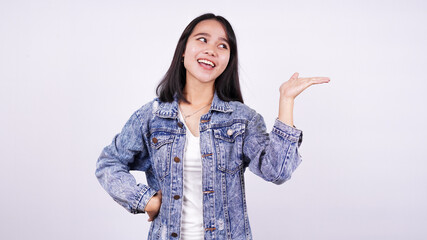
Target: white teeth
[[206, 62]]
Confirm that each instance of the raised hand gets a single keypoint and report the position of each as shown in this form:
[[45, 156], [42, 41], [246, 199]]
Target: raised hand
[[294, 86], [289, 90]]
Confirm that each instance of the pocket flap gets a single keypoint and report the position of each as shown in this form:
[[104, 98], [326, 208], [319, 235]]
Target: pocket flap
[[159, 139], [229, 133]]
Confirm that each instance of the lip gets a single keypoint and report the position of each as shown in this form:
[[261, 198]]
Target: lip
[[210, 60]]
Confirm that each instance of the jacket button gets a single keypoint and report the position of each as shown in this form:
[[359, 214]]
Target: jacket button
[[230, 132], [180, 124], [174, 235], [177, 160], [176, 197], [155, 140]]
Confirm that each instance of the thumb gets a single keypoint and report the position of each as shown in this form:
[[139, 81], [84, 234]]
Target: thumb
[[295, 75]]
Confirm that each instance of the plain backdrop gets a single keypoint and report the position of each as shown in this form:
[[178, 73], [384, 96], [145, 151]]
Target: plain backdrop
[[73, 72]]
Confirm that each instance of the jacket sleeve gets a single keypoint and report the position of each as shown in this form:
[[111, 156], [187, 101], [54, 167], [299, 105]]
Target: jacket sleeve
[[273, 156], [128, 149]]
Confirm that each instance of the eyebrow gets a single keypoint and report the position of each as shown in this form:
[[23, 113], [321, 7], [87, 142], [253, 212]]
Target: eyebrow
[[208, 35]]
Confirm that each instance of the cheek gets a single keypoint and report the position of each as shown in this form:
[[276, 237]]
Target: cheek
[[188, 56], [190, 50], [225, 60]]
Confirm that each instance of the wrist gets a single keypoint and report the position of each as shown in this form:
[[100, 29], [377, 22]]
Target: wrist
[[286, 99]]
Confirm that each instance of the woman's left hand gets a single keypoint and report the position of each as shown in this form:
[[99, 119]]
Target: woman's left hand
[[289, 90], [294, 86]]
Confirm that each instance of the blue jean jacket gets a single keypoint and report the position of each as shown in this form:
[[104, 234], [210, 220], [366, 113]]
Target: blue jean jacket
[[232, 138]]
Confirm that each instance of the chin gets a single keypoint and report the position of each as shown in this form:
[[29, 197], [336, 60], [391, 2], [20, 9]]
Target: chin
[[206, 79]]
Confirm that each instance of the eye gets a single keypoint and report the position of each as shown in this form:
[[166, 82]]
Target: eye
[[202, 39], [223, 46]]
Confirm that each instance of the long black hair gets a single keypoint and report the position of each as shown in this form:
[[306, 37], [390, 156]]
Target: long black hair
[[227, 84]]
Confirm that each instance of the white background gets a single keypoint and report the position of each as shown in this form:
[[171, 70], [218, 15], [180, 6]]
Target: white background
[[72, 73]]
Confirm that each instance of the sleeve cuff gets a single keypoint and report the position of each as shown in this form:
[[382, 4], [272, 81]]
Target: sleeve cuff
[[146, 194], [291, 133]]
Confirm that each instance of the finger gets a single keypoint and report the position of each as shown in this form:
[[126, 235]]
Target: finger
[[152, 217], [314, 80], [320, 80], [295, 75]]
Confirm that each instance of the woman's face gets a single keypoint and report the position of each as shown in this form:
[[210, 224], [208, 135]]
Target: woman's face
[[207, 52]]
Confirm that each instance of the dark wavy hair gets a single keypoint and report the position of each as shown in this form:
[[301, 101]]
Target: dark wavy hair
[[227, 84]]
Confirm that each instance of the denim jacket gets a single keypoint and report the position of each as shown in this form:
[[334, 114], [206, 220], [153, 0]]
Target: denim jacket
[[232, 138]]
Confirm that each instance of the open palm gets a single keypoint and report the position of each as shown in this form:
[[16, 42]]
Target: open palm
[[294, 86]]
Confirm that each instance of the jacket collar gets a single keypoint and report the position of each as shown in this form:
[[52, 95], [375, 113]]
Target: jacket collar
[[170, 110]]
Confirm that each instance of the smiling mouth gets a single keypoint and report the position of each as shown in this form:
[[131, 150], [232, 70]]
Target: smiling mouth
[[206, 62]]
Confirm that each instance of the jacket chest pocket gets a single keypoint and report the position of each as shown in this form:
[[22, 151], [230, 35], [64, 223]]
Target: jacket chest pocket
[[161, 145], [228, 141]]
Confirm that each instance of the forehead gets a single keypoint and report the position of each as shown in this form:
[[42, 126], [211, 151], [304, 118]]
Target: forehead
[[212, 27]]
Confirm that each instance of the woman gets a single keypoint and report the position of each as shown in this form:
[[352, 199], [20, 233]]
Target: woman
[[196, 139]]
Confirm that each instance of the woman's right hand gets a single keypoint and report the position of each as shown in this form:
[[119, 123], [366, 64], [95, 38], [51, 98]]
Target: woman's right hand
[[153, 206]]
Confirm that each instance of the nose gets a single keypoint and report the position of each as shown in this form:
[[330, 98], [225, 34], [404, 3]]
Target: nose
[[210, 50]]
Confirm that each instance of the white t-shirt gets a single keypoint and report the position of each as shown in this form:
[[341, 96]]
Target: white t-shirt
[[192, 204]]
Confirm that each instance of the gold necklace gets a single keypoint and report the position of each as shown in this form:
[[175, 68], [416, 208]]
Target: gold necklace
[[189, 115]]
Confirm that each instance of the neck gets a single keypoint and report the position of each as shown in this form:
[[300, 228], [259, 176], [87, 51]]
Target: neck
[[199, 94]]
